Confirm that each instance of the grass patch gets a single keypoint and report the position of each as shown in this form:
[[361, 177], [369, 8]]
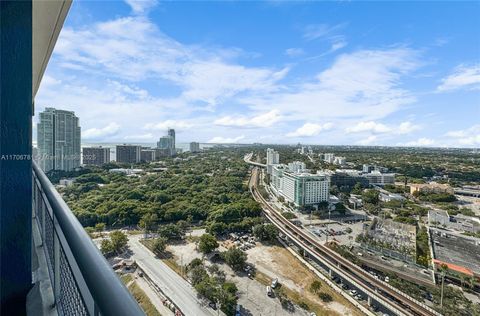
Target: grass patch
[[172, 264], [126, 278], [168, 260], [143, 300]]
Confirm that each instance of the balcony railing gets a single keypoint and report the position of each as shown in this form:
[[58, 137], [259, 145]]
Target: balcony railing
[[82, 280]]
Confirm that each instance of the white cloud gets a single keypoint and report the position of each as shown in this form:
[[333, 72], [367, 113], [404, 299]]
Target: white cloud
[[261, 120], [338, 44], [364, 85], [225, 140], [294, 52], [367, 141], [168, 124], [463, 77], [141, 137], [315, 31], [141, 6], [406, 128], [96, 133], [135, 44], [369, 126], [310, 129], [466, 137], [421, 142]]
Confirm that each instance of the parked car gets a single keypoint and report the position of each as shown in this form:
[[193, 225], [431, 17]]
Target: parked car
[[353, 292], [269, 291], [274, 283]]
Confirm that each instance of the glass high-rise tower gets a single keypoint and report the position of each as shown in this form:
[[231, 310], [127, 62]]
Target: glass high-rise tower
[[58, 140]]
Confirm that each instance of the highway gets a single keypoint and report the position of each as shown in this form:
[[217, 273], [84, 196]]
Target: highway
[[248, 159], [172, 285], [389, 297]]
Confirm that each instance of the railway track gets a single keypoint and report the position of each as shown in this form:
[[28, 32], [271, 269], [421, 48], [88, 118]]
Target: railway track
[[399, 301]]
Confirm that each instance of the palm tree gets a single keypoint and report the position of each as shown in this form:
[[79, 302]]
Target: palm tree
[[443, 272], [471, 281], [463, 278]]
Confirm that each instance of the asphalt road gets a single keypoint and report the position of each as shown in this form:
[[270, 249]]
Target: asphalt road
[[171, 284]]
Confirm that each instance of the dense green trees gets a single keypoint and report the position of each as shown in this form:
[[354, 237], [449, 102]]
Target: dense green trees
[[266, 232], [159, 245], [235, 258], [210, 283], [209, 189], [117, 240], [207, 243]]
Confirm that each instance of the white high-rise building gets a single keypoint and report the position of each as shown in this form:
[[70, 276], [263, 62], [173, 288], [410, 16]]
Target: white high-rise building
[[58, 140], [272, 159], [300, 188], [296, 166], [328, 157], [339, 160]]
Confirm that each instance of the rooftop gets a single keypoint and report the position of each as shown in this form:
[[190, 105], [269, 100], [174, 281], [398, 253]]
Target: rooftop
[[460, 251]]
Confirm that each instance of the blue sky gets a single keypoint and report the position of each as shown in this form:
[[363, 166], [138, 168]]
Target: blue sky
[[349, 72]]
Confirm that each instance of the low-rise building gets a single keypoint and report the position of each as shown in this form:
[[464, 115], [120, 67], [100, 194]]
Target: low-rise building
[[67, 182], [387, 197], [378, 178], [432, 187], [438, 218], [346, 179]]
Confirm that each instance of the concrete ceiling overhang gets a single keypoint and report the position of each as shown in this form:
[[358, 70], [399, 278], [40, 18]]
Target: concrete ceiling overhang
[[48, 17]]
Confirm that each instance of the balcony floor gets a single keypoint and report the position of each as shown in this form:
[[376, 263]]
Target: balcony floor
[[40, 299]]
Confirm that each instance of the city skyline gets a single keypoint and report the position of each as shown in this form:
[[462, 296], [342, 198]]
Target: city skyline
[[369, 78]]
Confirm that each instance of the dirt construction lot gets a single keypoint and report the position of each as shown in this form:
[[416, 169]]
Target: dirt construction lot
[[273, 262], [278, 262]]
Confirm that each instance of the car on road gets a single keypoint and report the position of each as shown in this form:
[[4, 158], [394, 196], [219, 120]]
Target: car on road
[[345, 287], [213, 305], [359, 297], [387, 279], [353, 292]]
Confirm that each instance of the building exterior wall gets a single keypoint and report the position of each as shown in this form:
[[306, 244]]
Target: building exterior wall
[[128, 153], [299, 188], [147, 155], [273, 158], [194, 147], [96, 156], [58, 140]]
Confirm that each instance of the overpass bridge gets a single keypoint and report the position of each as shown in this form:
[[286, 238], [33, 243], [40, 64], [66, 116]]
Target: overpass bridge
[[248, 159]]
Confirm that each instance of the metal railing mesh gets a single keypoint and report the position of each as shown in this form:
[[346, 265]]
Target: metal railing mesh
[[68, 296]]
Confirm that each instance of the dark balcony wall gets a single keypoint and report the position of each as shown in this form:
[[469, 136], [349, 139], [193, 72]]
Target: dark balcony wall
[[15, 154]]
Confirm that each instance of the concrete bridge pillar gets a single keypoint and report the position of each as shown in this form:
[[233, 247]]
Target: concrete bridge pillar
[[369, 301]]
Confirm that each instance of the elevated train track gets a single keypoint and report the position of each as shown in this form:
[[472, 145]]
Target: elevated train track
[[386, 295]]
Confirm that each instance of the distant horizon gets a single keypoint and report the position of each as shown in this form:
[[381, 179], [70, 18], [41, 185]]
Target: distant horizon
[[86, 144]]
